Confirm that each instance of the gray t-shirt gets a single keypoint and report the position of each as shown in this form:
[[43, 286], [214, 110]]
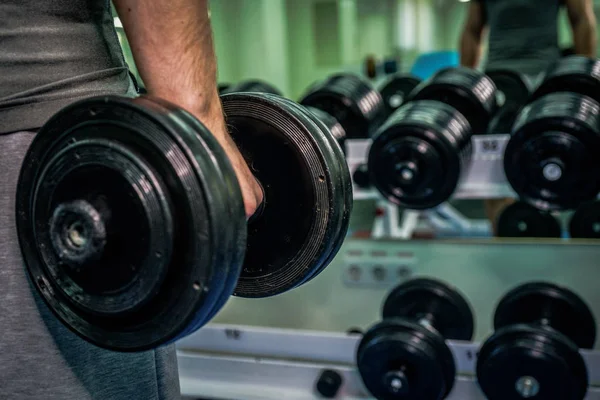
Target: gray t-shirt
[[52, 53], [523, 34]]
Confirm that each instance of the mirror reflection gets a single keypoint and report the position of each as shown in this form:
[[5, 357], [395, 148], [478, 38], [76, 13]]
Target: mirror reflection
[[448, 142]]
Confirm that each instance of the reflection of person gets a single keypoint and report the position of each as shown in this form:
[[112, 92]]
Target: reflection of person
[[53, 53], [523, 36]]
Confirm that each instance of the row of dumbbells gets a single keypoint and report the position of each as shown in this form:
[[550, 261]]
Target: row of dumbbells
[[533, 353], [421, 153], [422, 131], [521, 219]]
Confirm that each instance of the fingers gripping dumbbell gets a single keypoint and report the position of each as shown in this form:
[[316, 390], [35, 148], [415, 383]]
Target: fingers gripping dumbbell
[[419, 155], [131, 221], [534, 352], [551, 159], [405, 356]]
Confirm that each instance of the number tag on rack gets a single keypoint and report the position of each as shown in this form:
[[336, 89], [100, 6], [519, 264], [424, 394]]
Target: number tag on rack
[[490, 145]]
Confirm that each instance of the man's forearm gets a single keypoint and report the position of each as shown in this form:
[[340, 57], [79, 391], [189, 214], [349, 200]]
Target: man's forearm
[[584, 38], [470, 47], [171, 41]]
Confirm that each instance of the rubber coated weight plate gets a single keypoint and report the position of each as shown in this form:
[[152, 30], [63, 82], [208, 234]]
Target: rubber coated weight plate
[[335, 128], [511, 87], [128, 216], [513, 91], [398, 359], [305, 199], [222, 87], [551, 159], [470, 92], [351, 100], [577, 74], [335, 134], [523, 361], [523, 220], [253, 86], [395, 90], [418, 156], [585, 222], [419, 298], [562, 309]]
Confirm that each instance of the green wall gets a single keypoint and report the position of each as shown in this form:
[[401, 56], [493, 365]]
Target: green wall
[[293, 43]]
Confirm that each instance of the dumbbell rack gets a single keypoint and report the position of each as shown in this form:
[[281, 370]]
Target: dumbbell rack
[[244, 362], [485, 179]]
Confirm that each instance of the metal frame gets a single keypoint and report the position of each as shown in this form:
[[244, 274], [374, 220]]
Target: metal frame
[[243, 362]]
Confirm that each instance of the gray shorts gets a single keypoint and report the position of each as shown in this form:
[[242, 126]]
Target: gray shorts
[[39, 357]]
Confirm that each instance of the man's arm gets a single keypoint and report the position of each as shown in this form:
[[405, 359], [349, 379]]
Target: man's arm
[[583, 24], [171, 42], [470, 39]]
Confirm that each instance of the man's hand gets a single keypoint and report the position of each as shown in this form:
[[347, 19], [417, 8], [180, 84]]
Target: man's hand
[[583, 24], [171, 42], [470, 39]]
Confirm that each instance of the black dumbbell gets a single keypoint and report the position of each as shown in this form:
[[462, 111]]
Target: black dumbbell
[[396, 89], [336, 129], [351, 100], [131, 221], [524, 220], [551, 159], [223, 86], [419, 155], [585, 221], [534, 351], [251, 86], [405, 356], [513, 91]]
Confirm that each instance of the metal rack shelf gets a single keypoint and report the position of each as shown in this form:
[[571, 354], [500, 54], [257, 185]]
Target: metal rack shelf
[[243, 362]]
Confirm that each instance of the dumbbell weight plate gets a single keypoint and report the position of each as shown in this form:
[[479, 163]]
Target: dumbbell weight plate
[[336, 136], [522, 361], [336, 129], [535, 301], [550, 160], [470, 92], [351, 100], [577, 74], [172, 214], [306, 183], [398, 359], [513, 91], [425, 297], [395, 90], [512, 87], [585, 222], [523, 220], [418, 156], [222, 87]]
